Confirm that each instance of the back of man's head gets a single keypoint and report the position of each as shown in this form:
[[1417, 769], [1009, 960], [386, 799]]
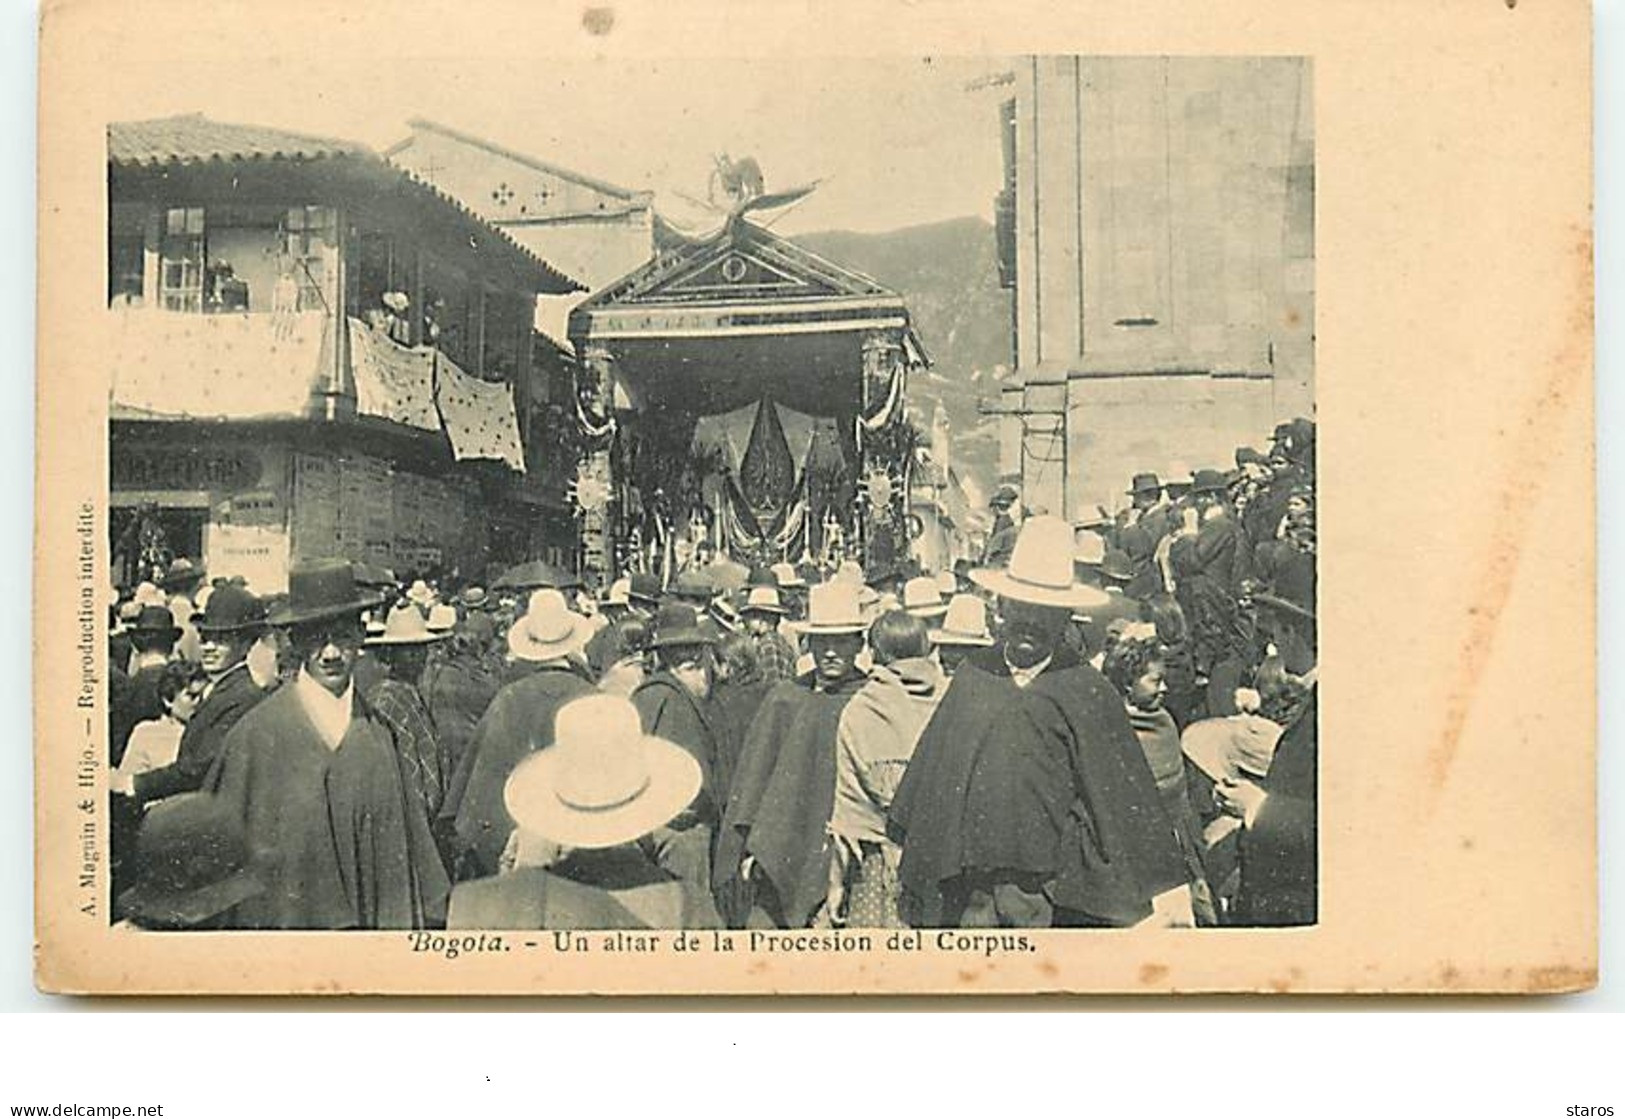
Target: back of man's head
[[897, 635]]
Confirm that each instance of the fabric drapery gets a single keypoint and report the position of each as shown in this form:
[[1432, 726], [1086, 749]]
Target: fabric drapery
[[225, 366], [392, 381], [478, 415]]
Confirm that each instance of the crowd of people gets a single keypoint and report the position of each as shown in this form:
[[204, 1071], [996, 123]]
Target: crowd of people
[[1104, 724]]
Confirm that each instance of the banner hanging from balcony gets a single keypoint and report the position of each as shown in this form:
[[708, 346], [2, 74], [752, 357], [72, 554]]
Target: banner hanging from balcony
[[392, 381], [227, 366], [479, 416]]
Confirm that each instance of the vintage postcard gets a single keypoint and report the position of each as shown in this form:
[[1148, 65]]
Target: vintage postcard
[[864, 499]]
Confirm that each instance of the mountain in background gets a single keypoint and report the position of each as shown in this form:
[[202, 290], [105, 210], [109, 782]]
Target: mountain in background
[[947, 273]]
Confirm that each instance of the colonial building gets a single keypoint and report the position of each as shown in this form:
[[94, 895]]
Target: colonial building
[[1157, 226], [314, 353]]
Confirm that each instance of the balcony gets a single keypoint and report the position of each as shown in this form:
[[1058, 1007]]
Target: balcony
[[236, 366], [267, 366]]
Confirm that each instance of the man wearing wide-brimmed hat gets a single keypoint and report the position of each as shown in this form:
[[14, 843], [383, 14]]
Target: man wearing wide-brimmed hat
[[773, 857], [694, 588], [180, 583], [922, 597], [1095, 620], [1028, 800], [642, 594], [1208, 565], [1280, 813], [616, 602], [586, 810], [1002, 536], [458, 686], [339, 834], [763, 612], [548, 639], [227, 630], [962, 630], [1141, 528], [402, 647], [152, 635], [675, 703]]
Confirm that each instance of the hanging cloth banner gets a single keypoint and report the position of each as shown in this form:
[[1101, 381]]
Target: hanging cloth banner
[[890, 407], [392, 381], [798, 432], [479, 416], [226, 366], [730, 432]]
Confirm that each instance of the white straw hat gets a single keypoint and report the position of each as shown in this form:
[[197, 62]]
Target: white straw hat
[[405, 626], [1040, 570], [763, 600], [922, 598], [548, 629], [603, 782], [786, 575], [965, 623], [833, 608]]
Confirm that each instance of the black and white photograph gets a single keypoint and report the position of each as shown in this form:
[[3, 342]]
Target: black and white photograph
[[628, 518], [757, 525]]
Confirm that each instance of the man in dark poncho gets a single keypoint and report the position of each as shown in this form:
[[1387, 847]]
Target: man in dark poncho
[[1209, 565], [675, 705], [772, 863], [1028, 801], [335, 833], [1280, 814], [547, 638]]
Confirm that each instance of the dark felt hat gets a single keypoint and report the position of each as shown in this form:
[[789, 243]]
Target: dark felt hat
[[191, 864], [1144, 483], [535, 575], [372, 575], [1209, 481], [320, 589], [182, 573], [230, 609], [680, 624], [1003, 498], [643, 587], [694, 585], [1117, 566], [1245, 455], [155, 620]]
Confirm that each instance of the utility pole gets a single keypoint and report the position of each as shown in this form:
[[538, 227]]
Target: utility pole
[[1056, 429]]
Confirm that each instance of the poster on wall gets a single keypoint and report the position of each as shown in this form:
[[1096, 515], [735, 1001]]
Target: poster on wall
[[259, 554], [315, 520]]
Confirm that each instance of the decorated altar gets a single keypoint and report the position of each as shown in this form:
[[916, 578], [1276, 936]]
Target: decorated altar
[[744, 396]]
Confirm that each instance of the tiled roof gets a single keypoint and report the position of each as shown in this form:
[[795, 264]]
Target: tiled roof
[[194, 138], [640, 198]]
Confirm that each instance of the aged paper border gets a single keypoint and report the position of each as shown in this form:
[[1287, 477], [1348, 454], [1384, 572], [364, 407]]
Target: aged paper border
[[1454, 305]]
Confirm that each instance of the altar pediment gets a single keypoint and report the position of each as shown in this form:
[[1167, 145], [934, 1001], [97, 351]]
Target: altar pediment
[[740, 268]]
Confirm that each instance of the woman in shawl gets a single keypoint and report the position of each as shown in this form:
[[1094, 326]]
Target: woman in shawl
[[1133, 663]]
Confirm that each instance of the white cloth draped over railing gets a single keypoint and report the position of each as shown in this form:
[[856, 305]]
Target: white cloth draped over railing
[[478, 415], [392, 381], [221, 366]]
